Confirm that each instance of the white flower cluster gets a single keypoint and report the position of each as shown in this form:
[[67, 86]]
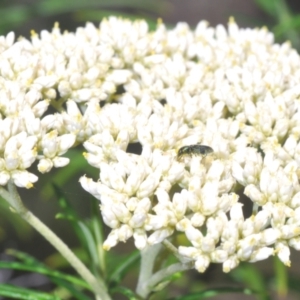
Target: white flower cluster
[[118, 85]]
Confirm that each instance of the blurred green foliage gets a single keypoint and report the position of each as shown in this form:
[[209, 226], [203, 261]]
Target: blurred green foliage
[[15, 14], [285, 24]]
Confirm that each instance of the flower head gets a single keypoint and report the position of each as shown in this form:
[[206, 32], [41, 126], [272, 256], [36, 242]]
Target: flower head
[[120, 85]]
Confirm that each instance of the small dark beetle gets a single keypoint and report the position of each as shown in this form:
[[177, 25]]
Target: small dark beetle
[[194, 150]]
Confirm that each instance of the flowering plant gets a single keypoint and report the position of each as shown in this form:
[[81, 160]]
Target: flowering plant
[[234, 91]]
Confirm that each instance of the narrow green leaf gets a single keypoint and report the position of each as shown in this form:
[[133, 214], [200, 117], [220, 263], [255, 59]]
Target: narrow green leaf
[[294, 283], [251, 277], [98, 230], [81, 228], [71, 215], [214, 292], [125, 291], [283, 27], [45, 271], [14, 16], [70, 288], [28, 260], [63, 216], [269, 6], [57, 261], [25, 258], [10, 291], [122, 268], [68, 211], [22, 228], [64, 175], [90, 244], [55, 7]]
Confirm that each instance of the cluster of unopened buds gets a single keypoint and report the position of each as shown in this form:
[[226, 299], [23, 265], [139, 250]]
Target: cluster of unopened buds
[[213, 110]]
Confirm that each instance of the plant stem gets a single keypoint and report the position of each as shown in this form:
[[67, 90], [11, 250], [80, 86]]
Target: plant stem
[[13, 198], [148, 256], [168, 271], [281, 278], [147, 280]]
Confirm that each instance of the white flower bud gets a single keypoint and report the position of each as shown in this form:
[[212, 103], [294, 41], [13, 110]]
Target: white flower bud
[[148, 186], [197, 220], [255, 194], [208, 244], [4, 177], [219, 256], [46, 81], [111, 240], [109, 218], [23, 179], [159, 235], [289, 231], [119, 76], [59, 162], [261, 254], [194, 235], [231, 263], [124, 233], [283, 253], [140, 239], [295, 243], [45, 165], [202, 263]]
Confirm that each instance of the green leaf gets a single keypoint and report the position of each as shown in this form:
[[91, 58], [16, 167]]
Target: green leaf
[[283, 27], [68, 213], [97, 227], [15, 292], [294, 283], [55, 7], [64, 175], [250, 276], [14, 16], [32, 262], [122, 268], [283, 17], [213, 292], [126, 292], [269, 6], [57, 261], [22, 228], [90, 245], [82, 229], [25, 258], [60, 279], [64, 204], [45, 271]]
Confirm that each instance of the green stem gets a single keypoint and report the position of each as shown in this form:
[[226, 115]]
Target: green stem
[[13, 198], [147, 280], [168, 271], [281, 278], [148, 256], [169, 246]]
